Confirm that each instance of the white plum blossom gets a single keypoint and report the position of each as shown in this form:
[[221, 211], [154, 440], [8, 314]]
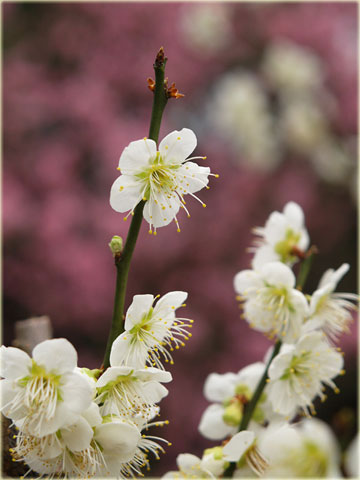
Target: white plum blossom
[[283, 237], [206, 28], [160, 178], [298, 372], [70, 450], [292, 68], [329, 311], [271, 303], [151, 331], [231, 392], [125, 391], [241, 113], [43, 393]]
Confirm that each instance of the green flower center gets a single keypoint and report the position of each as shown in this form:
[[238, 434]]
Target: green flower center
[[298, 366], [285, 247], [158, 176]]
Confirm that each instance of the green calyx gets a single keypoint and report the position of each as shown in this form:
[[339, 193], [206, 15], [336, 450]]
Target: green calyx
[[243, 390], [95, 373], [285, 247], [233, 413], [217, 452]]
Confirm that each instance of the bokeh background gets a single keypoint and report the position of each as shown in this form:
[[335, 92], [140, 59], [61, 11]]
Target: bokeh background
[[271, 92]]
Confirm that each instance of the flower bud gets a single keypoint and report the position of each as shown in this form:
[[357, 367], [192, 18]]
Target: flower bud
[[116, 245]]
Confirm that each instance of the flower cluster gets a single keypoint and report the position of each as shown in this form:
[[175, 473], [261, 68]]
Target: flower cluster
[[269, 442], [85, 423]]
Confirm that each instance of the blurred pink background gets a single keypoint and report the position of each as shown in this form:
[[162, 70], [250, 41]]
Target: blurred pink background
[[75, 94]]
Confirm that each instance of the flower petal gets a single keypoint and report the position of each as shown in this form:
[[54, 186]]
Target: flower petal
[[169, 302], [92, 415], [118, 438], [56, 355], [238, 445], [192, 177], [161, 208], [137, 155], [76, 392], [14, 363], [153, 374], [178, 145], [140, 306], [78, 436], [187, 462], [111, 374], [212, 425], [277, 273], [125, 193], [218, 387], [246, 281], [294, 215]]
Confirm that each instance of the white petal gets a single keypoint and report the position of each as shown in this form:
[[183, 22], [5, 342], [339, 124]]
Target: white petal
[[280, 363], [278, 274], [56, 355], [334, 276], [161, 208], [238, 445], [247, 280], [178, 145], [275, 228], [218, 387], [169, 302], [140, 306], [76, 392], [77, 436], [125, 193], [136, 155], [251, 374], [187, 462], [294, 215], [153, 374], [92, 415], [111, 374], [118, 438], [123, 350], [264, 254], [154, 392], [14, 363], [192, 177], [212, 425]]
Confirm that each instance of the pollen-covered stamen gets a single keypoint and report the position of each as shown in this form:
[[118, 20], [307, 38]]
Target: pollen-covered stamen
[[256, 461]]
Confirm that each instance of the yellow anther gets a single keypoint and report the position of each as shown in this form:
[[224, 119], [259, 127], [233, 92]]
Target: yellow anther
[[125, 218], [150, 232], [118, 168], [204, 205], [216, 175], [178, 138]]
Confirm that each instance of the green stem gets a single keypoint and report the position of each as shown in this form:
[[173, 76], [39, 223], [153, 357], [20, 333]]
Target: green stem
[[250, 407], [304, 271], [122, 262]]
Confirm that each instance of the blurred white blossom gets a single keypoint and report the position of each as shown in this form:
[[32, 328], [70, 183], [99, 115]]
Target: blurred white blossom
[[206, 29], [240, 112], [283, 237]]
